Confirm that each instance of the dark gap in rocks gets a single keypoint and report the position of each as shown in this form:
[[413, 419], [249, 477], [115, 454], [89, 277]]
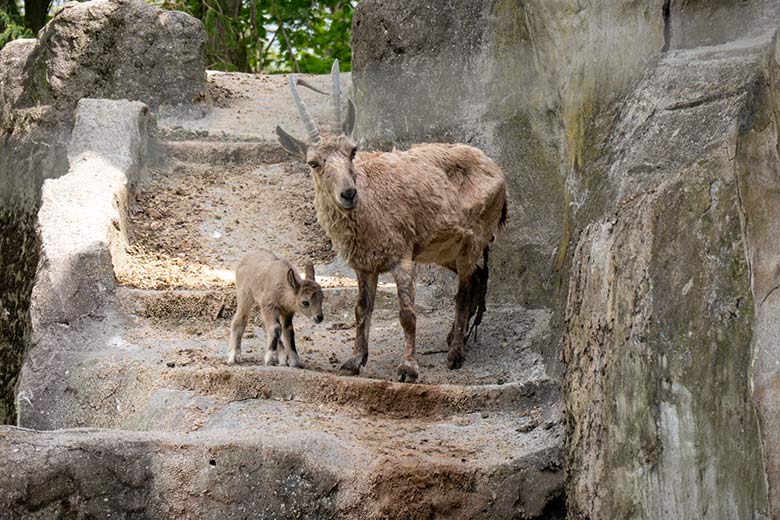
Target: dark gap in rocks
[[19, 250], [554, 510], [666, 10]]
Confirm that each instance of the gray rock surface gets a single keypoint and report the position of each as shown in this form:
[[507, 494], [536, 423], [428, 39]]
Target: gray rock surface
[[758, 176], [118, 49], [693, 23], [244, 473], [107, 474]]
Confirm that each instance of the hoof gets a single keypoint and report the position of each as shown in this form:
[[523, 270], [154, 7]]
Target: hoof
[[293, 361], [351, 367], [234, 359], [407, 371], [271, 360], [455, 359]]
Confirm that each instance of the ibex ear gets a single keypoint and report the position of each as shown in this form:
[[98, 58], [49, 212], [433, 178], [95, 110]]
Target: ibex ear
[[292, 280], [309, 271], [349, 122], [291, 144]]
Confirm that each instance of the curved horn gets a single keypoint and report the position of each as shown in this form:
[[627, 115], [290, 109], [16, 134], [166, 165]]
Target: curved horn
[[335, 95], [303, 83], [308, 122]]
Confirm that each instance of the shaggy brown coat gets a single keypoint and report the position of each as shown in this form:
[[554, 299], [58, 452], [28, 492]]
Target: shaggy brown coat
[[436, 203]]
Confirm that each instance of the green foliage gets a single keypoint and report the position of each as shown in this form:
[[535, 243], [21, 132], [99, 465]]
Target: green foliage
[[272, 35], [11, 28]]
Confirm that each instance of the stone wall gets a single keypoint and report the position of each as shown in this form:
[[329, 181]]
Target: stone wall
[[31, 149], [758, 179]]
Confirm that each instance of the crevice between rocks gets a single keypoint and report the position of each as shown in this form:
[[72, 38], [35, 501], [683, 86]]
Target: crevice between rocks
[[666, 13]]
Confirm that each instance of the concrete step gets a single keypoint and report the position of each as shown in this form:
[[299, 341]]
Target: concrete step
[[220, 153], [118, 362], [285, 462], [221, 302]]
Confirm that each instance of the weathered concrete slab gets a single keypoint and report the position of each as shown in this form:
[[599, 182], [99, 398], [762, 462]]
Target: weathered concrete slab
[[660, 313], [82, 214]]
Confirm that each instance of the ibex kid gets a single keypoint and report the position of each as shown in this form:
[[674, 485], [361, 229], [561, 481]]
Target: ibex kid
[[271, 283]]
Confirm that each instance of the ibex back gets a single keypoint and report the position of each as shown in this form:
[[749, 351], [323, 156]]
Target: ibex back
[[384, 212]]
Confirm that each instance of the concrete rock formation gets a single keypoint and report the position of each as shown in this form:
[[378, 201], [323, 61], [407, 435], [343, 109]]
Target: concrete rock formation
[[636, 289], [103, 48], [641, 142]]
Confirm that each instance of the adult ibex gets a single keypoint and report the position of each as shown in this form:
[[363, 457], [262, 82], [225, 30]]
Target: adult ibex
[[436, 203]]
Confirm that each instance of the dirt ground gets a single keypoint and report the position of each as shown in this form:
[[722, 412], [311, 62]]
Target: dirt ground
[[190, 224]]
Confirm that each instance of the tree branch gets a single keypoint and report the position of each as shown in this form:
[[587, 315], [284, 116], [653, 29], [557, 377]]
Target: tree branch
[[288, 45]]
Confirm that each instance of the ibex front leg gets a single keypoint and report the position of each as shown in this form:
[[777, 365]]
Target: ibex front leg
[[363, 310], [404, 280]]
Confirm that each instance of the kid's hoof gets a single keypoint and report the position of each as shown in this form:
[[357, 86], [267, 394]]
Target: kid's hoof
[[455, 359], [351, 367], [407, 371], [271, 360], [234, 359]]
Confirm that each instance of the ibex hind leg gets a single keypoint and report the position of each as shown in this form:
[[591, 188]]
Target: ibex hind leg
[[469, 302]]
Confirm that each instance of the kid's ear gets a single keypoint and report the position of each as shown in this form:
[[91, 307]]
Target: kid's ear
[[309, 271], [292, 280]]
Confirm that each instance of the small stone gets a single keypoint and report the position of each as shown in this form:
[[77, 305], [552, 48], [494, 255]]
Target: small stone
[[527, 427], [170, 364], [153, 213], [485, 415]]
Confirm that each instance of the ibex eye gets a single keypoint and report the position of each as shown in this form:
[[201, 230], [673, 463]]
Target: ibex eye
[[314, 164], [305, 304], [353, 153]]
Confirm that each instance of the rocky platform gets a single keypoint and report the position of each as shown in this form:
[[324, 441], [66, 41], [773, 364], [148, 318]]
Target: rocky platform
[[179, 432]]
